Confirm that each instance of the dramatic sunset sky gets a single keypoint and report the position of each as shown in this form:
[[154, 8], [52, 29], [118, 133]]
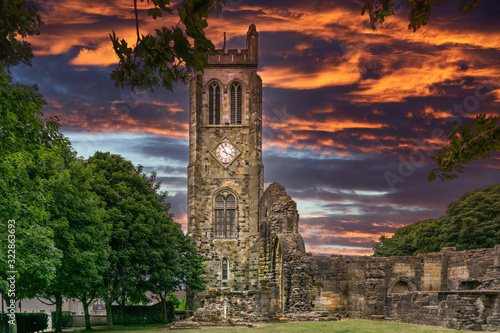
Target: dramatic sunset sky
[[351, 116]]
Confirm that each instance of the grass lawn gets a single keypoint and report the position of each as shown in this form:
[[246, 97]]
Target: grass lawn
[[345, 326]]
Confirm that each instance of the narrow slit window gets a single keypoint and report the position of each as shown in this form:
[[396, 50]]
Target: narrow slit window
[[224, 269]]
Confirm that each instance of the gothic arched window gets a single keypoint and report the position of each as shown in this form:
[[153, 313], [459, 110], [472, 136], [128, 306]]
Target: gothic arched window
[[214, 104], [225, 216], [225, 269], [236, 103]]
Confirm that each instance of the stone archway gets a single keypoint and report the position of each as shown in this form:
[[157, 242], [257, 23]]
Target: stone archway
[[401, 285], [277, 269]]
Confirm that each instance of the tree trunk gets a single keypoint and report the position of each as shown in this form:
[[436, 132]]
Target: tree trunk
[[58, 323], [165, 314], [10, 328], [86, 312], [124, 316], [109, 314]]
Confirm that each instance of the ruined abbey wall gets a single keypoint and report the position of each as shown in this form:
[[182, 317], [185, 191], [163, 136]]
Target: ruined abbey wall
[[456, 289]]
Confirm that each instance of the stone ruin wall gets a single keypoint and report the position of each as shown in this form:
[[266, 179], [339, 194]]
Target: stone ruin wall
[[282, 249], [456, 289]]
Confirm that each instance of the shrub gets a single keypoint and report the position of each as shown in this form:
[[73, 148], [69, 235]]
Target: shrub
[[182, 306], [28, 322], [172, 298]]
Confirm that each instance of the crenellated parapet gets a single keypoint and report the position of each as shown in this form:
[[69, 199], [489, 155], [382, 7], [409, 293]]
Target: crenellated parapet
[[231, 57], [248, 57]]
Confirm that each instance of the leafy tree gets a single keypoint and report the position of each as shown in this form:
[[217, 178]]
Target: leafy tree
[[76, 215], [174, 264], [21, 125], [471, 222], [37, 187], [418, 237], [144, 239], [119, 183], [25, 184], [420, 10], [27, 154], [172, 54], [18, 19], [477, 140]]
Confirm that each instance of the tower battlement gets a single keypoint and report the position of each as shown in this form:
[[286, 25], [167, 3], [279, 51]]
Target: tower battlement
[[231, 57]]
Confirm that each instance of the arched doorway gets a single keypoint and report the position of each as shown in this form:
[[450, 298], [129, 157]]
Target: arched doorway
[[401, 285]]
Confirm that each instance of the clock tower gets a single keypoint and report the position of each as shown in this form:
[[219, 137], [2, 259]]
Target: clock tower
[[225, 171]]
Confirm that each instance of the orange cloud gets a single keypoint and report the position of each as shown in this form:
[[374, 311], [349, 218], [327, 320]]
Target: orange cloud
[[329, 125], [104, 55], [350, 221], [327, 251], [332, 75], [324, 232], [403, 83], [388, 224], [182, 220], [436, 114]]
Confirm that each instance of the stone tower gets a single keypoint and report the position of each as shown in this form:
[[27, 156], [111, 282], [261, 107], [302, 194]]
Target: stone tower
[[225, 171]]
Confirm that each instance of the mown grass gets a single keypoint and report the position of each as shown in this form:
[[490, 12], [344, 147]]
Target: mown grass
[[345, 326]]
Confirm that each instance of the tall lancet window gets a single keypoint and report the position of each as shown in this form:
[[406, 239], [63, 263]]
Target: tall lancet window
[[225, 216], [236, 103], [214, 104]]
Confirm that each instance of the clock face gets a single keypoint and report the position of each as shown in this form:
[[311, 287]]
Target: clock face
[[225, 152]]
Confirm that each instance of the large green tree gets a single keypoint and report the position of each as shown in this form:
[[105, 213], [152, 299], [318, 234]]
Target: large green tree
[[471, 222], [174, 263], [25, 184], [143, 235], [29, 145], [76, 215], [42, 184]]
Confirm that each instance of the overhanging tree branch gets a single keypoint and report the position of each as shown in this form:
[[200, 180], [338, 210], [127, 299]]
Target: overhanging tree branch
[[171, 55], [474, 141]]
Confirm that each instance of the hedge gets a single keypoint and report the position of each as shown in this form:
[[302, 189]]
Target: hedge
[[141, 315], [27, 322]]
